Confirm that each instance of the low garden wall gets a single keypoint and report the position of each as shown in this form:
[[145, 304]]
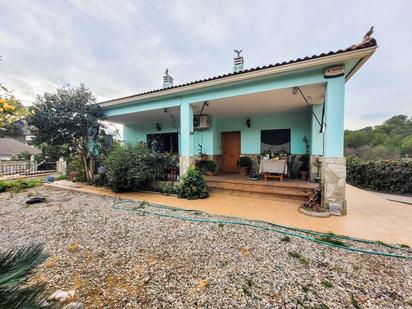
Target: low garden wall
[[383, 175]]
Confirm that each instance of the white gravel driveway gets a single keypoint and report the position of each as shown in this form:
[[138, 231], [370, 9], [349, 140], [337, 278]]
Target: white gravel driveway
[[120, 259]]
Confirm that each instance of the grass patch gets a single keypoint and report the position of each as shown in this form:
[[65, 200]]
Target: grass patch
[[19, 185], [299, 257], [404, 246], [141, 205], [246, 291], [355, 303], [305, 288], [329, 239], [61, 177], [327, 284], [225, 263], [321, 306], [286, 239], [247, 288], [250, 283]]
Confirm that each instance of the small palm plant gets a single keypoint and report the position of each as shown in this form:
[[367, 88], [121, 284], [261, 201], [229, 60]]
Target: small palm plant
[[16, 267]]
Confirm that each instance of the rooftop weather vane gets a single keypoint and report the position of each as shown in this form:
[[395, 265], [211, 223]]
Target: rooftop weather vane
[[237, 51]]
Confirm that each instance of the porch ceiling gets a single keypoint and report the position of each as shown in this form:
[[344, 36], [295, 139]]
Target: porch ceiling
[[156, 115], [281, 100], [274, 101]]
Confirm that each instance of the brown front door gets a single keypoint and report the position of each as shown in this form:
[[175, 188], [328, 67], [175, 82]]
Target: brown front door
[[230, 151]]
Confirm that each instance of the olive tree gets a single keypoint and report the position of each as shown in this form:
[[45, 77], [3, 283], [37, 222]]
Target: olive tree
[[68, 118]]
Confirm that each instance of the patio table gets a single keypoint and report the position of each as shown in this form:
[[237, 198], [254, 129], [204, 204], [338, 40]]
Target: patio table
[[269, 167]]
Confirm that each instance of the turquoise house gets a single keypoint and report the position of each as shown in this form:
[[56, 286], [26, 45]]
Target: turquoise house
[[296, 107]]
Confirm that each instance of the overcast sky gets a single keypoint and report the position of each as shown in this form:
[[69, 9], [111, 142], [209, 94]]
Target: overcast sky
[[121, 47]]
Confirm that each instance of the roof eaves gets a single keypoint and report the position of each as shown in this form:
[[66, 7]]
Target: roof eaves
[[370, 43]]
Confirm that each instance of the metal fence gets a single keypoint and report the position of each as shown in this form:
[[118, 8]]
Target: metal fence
[[19, 169], [169, 174]]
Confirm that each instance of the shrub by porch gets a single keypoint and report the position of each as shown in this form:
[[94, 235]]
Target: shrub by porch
[[133, 167]]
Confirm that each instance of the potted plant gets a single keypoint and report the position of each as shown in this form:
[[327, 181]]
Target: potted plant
[[202, 156], [318, 165], [244, 163], [313, 206], [210, 167], [304, 168]]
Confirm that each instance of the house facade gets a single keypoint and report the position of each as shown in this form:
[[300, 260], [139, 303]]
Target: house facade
[[294, 107]]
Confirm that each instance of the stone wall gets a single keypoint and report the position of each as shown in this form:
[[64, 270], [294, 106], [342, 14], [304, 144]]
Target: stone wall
[[313, 169], [185, 163], [333, 176]]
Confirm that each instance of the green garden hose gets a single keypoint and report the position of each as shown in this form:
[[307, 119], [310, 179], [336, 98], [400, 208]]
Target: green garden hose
[[140, 208]]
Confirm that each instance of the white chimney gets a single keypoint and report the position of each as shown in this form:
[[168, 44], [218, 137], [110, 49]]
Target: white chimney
[[238, 62], [167, 80]]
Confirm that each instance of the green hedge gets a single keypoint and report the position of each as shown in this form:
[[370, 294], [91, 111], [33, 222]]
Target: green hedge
[[18, 185], [383, 175]]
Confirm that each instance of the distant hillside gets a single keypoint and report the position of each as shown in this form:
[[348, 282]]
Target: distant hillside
[[390, 140]]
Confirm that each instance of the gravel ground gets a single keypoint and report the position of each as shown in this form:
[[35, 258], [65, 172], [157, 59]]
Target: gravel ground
[[120, 259]]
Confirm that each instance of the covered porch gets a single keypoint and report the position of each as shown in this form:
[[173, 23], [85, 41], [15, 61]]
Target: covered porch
[[286, 122], [268, 124], [256, 125]]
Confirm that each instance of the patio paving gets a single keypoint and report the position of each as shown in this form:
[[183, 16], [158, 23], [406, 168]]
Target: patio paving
[[407, 199], [369, 215]]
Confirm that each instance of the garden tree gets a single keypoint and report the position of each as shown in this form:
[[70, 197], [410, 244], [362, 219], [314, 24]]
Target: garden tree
[[68, 119], [355, 139], [406, 146], [387, 141], [11, 109]]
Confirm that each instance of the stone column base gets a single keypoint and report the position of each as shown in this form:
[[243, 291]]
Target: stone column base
[[61, 166], [333, 176], [313, 169], [185, 163]]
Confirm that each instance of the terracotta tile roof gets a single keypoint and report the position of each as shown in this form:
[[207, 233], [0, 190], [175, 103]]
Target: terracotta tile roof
[[369, 43]]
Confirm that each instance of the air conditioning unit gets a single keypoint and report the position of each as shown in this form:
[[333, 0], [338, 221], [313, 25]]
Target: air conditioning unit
[[201, 122]]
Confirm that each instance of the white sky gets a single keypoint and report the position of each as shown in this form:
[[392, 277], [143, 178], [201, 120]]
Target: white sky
[[121, 47]]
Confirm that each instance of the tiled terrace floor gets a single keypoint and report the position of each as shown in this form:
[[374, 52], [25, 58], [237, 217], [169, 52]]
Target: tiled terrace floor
[[369, 216]]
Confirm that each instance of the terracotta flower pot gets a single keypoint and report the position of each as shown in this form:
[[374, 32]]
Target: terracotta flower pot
[[304, 175], [73, 175], [244, 170]]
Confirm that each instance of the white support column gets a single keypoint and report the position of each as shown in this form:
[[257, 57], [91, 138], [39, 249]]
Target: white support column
[[186, 137], [334, 116], [333, 170]]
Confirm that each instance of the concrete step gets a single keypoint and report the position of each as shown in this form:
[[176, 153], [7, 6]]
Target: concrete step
[[279, 189]]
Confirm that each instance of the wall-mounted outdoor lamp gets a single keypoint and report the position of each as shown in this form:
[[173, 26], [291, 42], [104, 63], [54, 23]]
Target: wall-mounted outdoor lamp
[[248, 123], [306, 141], [158, 127]]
